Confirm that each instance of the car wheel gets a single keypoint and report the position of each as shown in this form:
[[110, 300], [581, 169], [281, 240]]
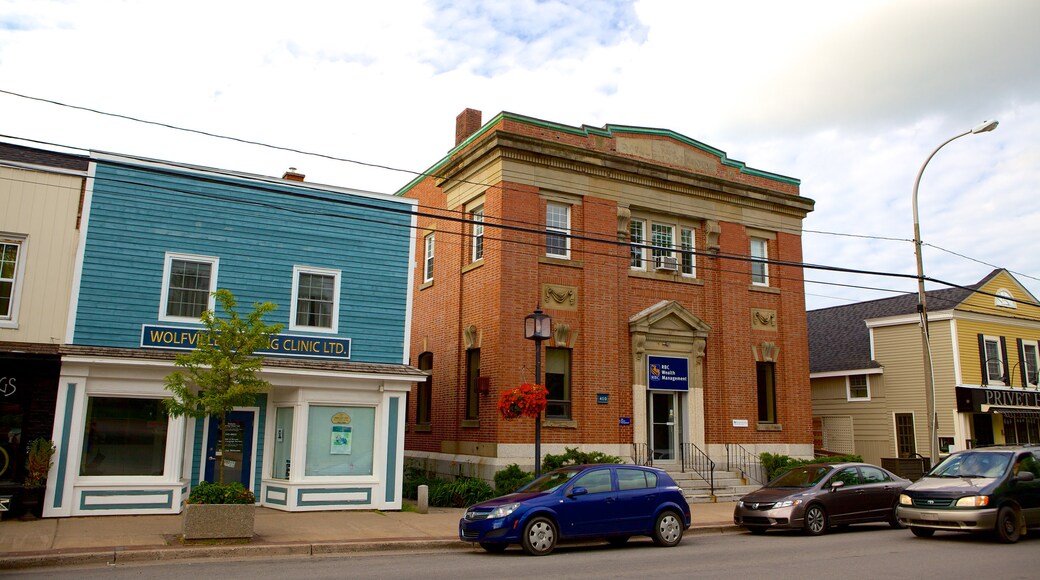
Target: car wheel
[[815, 520], [922, 532], [757, 531], [1008, 525], [618, 540], [893, 521], [494, 548], [539, 536], [668, 529]]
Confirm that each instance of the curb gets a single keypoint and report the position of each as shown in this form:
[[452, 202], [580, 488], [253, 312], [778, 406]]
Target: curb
[[114, 556]]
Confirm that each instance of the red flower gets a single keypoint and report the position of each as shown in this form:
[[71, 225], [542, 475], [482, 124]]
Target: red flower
[[527, 400]]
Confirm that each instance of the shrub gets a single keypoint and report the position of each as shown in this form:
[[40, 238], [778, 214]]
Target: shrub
[[235, 493], [414, 476], [459, 493], [572, 456], [777, 464], [511, 479]]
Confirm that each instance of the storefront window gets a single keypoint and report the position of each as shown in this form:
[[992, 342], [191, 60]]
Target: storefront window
[[340, 440], [283, 424], [124, 437]]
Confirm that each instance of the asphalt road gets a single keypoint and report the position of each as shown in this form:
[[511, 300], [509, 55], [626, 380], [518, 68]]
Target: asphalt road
[[870, 551]]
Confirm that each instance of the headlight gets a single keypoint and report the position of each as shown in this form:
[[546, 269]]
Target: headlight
[[503, 511], [905, 499], [973, 501], [740, 503], [787, 503]]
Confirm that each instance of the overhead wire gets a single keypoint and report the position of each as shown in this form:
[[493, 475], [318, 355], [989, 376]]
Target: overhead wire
[[281, 190], [591, 237]]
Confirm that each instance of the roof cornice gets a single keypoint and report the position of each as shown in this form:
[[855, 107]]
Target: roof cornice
[[609, 131]]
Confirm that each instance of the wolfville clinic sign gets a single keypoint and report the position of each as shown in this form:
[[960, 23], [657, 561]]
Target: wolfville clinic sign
[[177, 338]]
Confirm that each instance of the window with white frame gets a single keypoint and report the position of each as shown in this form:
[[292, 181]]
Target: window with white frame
[[759, 269], [557, 230], [124, 436], [12, 264], [858, 387], [1030, 361], [993, 363], [477, 217], [687, 257], [428, 260], [315, 299], [189, 282], [637, 237], [662, 238]]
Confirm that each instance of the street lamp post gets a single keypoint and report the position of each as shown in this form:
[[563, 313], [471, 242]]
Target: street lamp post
[[537, 327], [921, 301]]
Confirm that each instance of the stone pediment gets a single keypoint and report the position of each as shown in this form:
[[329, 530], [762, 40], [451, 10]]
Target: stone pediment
[[670, 317]]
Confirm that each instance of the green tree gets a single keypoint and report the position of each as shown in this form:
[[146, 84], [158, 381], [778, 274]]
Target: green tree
[[221, 373]]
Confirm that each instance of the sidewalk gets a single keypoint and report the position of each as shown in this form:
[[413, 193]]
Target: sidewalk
[[123, 539]]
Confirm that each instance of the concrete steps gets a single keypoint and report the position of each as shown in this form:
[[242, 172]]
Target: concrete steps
[[729, 486]]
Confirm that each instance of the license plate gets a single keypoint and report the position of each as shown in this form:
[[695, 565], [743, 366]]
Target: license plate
[[929, 516]]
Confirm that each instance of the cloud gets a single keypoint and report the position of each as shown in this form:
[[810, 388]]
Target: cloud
[[850, 97], [493, 38]]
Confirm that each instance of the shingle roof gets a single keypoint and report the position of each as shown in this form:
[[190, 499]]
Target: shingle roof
[[35, 156], [838, 336]]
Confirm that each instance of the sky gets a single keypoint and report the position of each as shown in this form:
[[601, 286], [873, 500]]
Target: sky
[[850, 97]]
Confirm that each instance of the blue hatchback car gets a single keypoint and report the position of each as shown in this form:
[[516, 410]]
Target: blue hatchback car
[[609, 501]]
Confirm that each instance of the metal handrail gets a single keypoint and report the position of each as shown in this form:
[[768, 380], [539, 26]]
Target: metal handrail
[[699, 463], [746, 462], [642, 454]]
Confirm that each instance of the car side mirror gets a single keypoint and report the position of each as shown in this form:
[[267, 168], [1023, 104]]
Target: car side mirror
[[578, 491], [837, 484], [1024, 476]]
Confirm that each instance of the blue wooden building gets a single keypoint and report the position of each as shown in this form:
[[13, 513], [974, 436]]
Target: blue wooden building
[[157, 238]]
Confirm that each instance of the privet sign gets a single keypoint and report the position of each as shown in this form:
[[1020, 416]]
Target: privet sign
[[178, 338], [667, 373]]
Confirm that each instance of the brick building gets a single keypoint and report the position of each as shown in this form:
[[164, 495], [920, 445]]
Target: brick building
[[670, 273]]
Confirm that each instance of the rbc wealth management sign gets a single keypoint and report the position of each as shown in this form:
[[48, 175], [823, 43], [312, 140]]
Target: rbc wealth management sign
[[177, 338], [667, 373]]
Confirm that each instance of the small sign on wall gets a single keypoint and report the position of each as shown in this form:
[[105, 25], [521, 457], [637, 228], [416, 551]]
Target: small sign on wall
[[602, 398], [740, 422], [624, 421]]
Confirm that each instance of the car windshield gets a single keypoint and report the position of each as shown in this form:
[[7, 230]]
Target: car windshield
[[801, 476], [550, 481], [973, 464]]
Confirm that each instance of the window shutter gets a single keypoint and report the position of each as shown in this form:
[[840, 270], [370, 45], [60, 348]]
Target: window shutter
[[1022, 362], [1004, 357], [982, 359]]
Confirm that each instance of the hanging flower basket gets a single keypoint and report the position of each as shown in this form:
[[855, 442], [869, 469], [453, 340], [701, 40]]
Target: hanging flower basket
[[527, 400]]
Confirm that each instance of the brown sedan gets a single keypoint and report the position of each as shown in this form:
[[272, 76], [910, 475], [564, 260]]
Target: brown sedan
[[815, 497]]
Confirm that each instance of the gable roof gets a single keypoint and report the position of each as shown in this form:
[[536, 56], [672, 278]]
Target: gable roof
[[838, 336]]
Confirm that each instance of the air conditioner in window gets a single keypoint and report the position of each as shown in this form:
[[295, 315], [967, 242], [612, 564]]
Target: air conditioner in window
[[668, 263]]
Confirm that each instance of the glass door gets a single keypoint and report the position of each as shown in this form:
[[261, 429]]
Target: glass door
[[663, 411]]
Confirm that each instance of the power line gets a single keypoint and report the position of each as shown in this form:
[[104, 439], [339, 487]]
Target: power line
[[776, 225], [426, 174]]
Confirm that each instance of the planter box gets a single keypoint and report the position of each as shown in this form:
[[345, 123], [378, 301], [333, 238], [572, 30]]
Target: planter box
[[218, 521]]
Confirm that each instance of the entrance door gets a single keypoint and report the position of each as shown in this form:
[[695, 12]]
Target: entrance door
[[237, 459], [663, 410]]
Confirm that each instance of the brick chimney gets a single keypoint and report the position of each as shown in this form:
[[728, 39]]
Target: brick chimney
[[292, 175], [466, 124]]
